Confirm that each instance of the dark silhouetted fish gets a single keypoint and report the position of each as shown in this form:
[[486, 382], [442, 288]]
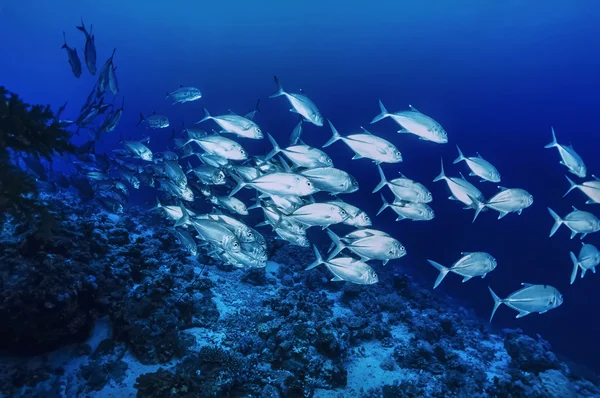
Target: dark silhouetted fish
[[73, 58], [90, 48]]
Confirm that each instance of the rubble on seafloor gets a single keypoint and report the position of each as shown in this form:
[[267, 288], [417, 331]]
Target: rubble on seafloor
[[109, 306]]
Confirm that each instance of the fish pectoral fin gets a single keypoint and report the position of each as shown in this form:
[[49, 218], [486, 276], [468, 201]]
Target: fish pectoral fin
[[452, 198], [293, 110], [583, 235], [466, 278], [521, 314], [385, 261], [502, 214], [519, 211], [400, 218], [573, 233], [403, 131], [543, 312], [357, 156], [524, 284]]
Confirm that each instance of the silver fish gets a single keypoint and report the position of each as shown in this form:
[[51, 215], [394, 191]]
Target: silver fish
[[330, 179], [578, 221], [408, 210], [508, 200], [588, 259], [377, 247], [530, 298], [404, 188], [184, 94], [356, 216], [154, 121], [590, 188], [479, 167], [283, 184], [462, 190], [320, 214], [235, 124], [301, 104], [415, 122], [346, 269], [301, 155], [569, 157], [468, 266]]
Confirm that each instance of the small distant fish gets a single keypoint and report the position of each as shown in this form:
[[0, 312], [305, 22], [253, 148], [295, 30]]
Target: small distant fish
[[346, 269], [588, 259], [106, 74], [590, 188], [578, 221], [468, 266], [73, 58], [356, 217], [415, 122], [235, 124], [301, 104], [90, 48], [184, 94], [367, 145], [479, 167], [154, 121], [529, 299], [569, 157]]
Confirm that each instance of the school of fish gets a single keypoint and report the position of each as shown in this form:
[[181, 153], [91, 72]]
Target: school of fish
[[214, 166]]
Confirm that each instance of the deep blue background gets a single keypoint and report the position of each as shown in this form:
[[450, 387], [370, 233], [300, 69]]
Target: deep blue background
[[497, 75]]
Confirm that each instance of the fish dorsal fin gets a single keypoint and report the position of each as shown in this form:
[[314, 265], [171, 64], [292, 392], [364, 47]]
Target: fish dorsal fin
[[595, 178], [465, 253], [478, 155], [575, 208], [412, 108], [286, 166], [500, 187], [462, 176], [301, 142], [365, 130], [336, 279], [232, 112], [526, 284]]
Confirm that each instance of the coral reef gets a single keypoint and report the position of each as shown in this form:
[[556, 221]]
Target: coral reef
[[174, 325]]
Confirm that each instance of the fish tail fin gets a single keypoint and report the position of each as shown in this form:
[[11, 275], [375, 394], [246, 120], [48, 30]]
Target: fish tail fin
[[82, 27], [318, 261], [141, 119], [575, 267], [336, 135], [479, 206], [442, 175], [276, 148], [240, 184], [443, 272], [382, 115], [497, 302], [206, 116], [460, 157], [339, 246], [65, 37], [158, 205], [554, 143], [185, 218], [384, 206], [279, 91], [557, 221], [571, 187], [383, 181]]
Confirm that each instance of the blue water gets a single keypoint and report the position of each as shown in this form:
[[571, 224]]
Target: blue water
[[496, 75]]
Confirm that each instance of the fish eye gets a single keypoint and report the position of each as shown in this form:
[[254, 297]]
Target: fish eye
[[367, 218], [235, 244], [308, 183], [249, 234]]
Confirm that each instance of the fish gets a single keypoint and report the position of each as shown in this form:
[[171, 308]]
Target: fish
[[301, 104], [90, 48], [590, 188], [138, 149], [221, 146], [415, 122], [73, 58], [508, 200], [367, 145], [589, 258], [479, 167], [235, 124], [184, 94], [279, 183], [301, 155], [320, 214], [346, 269], [154, 121], [461, 189], [332, 180], [113, 82], [297, 132], [104, 76], [230, 203], [569, 158], [469, 265], [209, 175], [404, 189], [356, 217], [376, 247], [214, 233], [244, 233], [187, 241], [578, 221], [408, 210], [293, 238], [173, 212], [530, 298]]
